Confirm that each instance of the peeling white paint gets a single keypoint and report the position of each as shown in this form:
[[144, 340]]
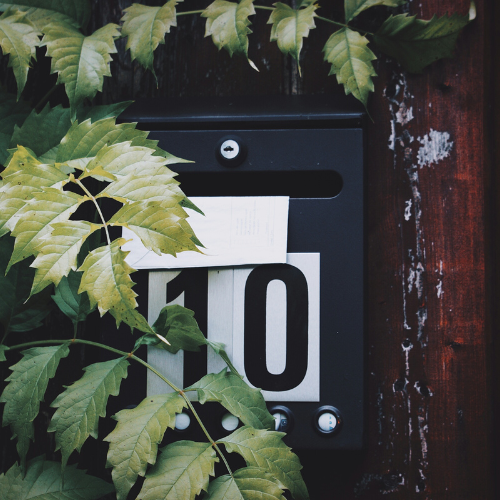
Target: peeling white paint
[[407, 356], [408, 210], [439, 287], [404, 114], [419, 280], [435, 147], [411, 279]]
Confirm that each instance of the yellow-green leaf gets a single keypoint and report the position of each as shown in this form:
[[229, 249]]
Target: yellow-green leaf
[[355, 7], [290, 26], [57, 252], [35, 218], [26, 389], [236, 396], [181, 472], [134, 442], [227, 24], [19, 39], [80, 61], [266, 450], [82, 403], [351, 61], [146, 28], [41, 18], [249, 483], [416, 43], [106, 279], [157, 226]]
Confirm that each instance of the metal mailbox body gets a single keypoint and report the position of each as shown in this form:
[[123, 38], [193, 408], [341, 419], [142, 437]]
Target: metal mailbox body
[[311, 149]]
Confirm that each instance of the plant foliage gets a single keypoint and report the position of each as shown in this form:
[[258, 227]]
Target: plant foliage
[[71, 175]]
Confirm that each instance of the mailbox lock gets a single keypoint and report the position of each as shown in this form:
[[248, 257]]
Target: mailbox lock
[[327, 420], [283, 418], [231, 151]]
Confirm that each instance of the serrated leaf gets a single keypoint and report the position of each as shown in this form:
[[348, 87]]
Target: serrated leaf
[[181, 472], [12, 113], [54, 122], [81, 61], [79, 10], [146, 27], [26, 389], [155, 183], [266, 450], [290, 26], [19, 39], [178, 326], [351, 61], [41, 18], [45, 480], [36, 218], [82, 403], [219, 348], [23, 177], [17, 314], [249, 483], [134, 442], [355, 7], [416, 43], [236, 396], [101, 111], [87, 139], [76, 306], [57, 252], [106, 279], [227, 24], [159, 228]]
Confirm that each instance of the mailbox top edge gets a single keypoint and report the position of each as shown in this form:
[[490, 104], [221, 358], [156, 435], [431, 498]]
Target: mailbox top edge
[[296, 109]]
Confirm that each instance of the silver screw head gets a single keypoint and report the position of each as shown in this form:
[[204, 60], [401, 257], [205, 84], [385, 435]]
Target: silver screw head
[[229, 149]]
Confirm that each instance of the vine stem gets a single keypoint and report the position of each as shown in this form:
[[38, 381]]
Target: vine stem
[[148, 366], [89, 194]]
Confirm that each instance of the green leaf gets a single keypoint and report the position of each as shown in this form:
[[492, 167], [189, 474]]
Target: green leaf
[[134, 442], [3, 350], [227, 23], [16, 313], [45, 480], [87, 139], [219, 349], [181, 472], [159, 227], [178, 326], [58, 252], [154, 183], [96, 113], [290, 26], [12, 113], [54, 122], [19, 39], [79, 10], [249, 483], [351, 61], [23, 177], [106, 279], [146, 28], [80, 61], [26, 389], [82, 403], [355, 7], [265, 449], [76, 306], [35, 218], [236, 396], [41, 18], [416, 43]]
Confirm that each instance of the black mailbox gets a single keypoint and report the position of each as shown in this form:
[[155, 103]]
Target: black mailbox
[[311, 149]]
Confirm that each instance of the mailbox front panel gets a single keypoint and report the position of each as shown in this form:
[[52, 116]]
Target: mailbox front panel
[[296, 330]]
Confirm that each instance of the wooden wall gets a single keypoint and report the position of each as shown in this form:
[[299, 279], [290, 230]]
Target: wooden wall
[[431, 194]]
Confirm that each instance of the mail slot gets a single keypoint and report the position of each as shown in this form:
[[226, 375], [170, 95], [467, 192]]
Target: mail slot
[[294, 329]]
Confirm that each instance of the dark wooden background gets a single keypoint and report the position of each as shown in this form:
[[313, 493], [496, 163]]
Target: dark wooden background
[[431, 243]]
